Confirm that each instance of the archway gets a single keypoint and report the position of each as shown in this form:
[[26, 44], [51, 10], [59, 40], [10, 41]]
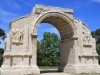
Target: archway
[[78, 50], [48, 48], [66, 29]]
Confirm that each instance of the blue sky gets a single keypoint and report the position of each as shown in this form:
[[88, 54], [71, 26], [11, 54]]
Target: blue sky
[[87, 11]]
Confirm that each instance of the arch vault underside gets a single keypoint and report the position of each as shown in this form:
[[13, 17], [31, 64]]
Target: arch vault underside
[[78, 52]]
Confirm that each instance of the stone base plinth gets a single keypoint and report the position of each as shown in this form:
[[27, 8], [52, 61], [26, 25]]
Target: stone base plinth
[[80, 69], [23, 71]]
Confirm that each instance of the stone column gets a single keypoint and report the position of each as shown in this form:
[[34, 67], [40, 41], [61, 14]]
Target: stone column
[[81, 39], [61, 52], [7, 59], [76, 52], [34, 66], [8, 47], [26, 39], [95, 55], [94, 45], [34, 49], [60, 67]]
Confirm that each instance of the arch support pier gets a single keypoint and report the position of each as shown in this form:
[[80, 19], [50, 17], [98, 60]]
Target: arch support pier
[[34, 66], [69, 55]]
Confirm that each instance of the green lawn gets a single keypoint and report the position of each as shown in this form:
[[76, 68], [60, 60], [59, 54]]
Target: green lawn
[[56, 67], [87, 74], [48, 67]]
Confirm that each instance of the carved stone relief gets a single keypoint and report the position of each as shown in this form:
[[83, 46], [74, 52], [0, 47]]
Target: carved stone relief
[[86, 35], [17, 35]]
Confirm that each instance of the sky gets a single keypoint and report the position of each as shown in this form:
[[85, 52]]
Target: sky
[[87, 11]]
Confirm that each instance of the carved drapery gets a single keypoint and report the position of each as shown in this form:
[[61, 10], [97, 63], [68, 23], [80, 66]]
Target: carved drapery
[[17, 35], [87, 38]]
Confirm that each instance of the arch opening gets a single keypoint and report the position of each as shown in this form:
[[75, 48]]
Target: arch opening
[[46, 27], [66, 32], [60, 22], [48, 54]]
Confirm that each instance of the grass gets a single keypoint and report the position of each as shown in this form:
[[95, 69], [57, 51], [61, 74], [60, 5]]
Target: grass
[[56, 67], [87, 74], [48, 67]]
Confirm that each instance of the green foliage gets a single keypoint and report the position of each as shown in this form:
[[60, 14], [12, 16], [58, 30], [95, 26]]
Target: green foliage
[[1, 56], [98, 51], [48, 67], [98, 48], [96, 35], [93, 73], [2, 36], [93, 34], [97, 32], [48, 50]]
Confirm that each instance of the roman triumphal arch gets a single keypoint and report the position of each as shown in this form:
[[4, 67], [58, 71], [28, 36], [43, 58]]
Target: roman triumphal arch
[[78, 52]]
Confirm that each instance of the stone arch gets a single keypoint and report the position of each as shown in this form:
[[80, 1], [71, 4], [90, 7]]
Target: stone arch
[[55, 16], [78, 50], [67, 43]]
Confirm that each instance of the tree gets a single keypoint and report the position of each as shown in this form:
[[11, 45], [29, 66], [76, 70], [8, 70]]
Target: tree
[[96, 34], [98, 51], [1, 57], [2, 36], [40, 53], [49, 50]]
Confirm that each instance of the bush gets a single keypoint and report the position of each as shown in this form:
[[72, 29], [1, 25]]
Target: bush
[[98, 51], [1, 56]]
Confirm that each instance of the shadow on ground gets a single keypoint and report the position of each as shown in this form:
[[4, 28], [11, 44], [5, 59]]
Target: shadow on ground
[[49, 71]]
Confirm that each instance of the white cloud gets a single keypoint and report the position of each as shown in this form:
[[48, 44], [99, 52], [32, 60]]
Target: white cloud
[[12, 4], [9, 3], [7, 16], [16, 6], [29, 3], [96, 0]]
